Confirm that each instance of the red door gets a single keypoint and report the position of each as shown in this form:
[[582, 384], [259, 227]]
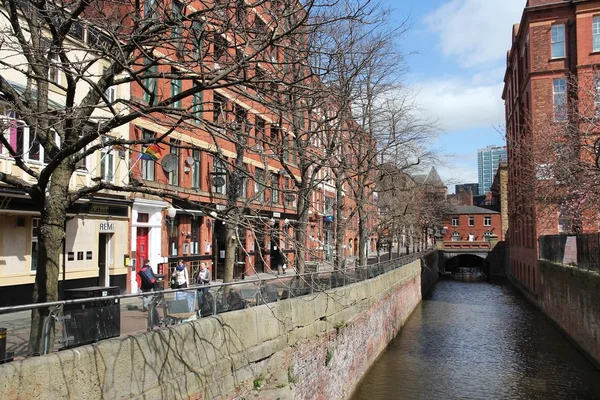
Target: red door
[[141, 251]]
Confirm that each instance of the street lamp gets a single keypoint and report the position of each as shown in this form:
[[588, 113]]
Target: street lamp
[[212, 245]]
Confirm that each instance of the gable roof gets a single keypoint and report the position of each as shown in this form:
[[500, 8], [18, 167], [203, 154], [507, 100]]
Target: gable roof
[[475, 210], [432, 179]]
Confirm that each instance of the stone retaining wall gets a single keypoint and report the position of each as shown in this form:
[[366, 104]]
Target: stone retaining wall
[[571, 298], [314, 347]]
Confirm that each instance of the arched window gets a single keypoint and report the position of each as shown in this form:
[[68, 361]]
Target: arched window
[[455, 236]]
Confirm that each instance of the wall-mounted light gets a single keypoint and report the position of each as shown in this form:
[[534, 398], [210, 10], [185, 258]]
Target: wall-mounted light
[[171, 212]]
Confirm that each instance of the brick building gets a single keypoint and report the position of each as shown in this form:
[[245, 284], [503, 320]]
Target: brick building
[[249, 101], [549, 78], [471, 226]]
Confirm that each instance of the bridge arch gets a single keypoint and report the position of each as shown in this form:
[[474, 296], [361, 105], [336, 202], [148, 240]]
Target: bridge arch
[[467, 260]]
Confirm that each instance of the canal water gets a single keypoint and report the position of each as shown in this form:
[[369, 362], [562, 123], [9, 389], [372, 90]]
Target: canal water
[[479, 341]]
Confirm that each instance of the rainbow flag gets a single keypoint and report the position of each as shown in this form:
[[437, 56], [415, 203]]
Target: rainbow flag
[[151, 152]]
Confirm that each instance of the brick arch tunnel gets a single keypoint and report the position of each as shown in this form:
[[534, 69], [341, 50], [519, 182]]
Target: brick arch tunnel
[[467, 261]]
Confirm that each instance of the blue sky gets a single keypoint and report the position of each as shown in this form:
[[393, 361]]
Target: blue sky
[[457, 73]]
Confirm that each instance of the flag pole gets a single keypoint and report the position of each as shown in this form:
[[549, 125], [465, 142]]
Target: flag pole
[[129, 170]]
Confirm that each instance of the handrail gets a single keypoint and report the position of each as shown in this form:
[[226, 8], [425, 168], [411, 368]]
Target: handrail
[[33, 306]]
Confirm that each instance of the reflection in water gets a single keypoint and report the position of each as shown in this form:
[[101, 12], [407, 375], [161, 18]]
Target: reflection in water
[[479, 341]]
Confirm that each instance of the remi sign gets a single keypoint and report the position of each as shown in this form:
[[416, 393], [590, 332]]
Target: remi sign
[[107, 227]]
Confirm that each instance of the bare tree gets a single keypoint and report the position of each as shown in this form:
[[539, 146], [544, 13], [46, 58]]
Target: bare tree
[[168, 54]]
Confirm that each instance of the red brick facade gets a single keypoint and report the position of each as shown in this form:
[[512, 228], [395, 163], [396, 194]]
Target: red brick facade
[[533, 78], [471, 226]]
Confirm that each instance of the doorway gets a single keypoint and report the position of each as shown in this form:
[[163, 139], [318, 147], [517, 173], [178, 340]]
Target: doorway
[[141, 251], [103, 252], [219, 249], [259, 253]]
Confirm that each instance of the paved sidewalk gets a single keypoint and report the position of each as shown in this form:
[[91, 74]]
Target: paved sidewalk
[[133, 318]]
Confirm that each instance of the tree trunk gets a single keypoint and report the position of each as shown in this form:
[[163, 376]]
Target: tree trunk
[[362, 234], [230, 250], [339, 229], [234, 191], [52, 233], [300, 229]]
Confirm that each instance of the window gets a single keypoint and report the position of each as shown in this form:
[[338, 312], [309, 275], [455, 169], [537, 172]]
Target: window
[[455, 236], [175, 90], [259, 184], [259, 131], [219, 177], [107, 166], [198, 40], [149, 8], [275, 135], [455, 221], [219, 109], [596, 34], [111, 91], [197, 103], [194, 246], [471, 220], [560, 99], [487, 220], [147, 165], [76, 30], [150, 82], [35, 232], [177, 14], [486, 236], [196, 169], [244, 190], [558, 41], [174, 235], [220, 44], [23, 140], [174, 175], [275, 189], [53, 70]]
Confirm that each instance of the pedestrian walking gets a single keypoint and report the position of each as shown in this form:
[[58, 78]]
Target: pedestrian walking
[[148, 280], [179, 278]]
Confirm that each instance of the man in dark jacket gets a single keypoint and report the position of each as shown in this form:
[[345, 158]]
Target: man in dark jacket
[[148, 280]]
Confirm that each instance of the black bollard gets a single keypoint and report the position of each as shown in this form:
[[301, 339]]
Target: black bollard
[[3, 332]]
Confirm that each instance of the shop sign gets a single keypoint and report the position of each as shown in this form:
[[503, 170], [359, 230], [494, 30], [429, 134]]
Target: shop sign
[[107, 227]]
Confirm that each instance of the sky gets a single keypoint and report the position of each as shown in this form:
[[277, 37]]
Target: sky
[[456, 71]]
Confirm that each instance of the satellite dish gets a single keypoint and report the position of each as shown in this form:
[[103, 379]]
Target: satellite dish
[[189, 160], [170, 162]]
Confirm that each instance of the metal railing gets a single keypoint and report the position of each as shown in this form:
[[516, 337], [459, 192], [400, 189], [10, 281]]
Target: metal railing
[[117, 315]]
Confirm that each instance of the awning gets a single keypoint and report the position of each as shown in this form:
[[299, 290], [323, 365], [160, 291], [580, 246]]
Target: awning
[[190, 212]]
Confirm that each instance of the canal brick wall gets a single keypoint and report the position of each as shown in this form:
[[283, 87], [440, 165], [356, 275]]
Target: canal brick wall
[[571, 298], [314, 347]]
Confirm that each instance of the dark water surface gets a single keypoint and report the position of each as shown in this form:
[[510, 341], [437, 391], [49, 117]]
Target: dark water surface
[[479, 341]]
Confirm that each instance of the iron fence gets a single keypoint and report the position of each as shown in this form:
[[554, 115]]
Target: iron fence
[[581, 251], [78, 321]]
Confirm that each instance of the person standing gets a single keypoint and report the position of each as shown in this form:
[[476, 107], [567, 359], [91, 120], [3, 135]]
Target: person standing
[[203, 279], [149, 283], [180, 276]]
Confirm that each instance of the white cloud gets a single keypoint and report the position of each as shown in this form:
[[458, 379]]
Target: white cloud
[[475, 31], [461, 104], [458, 173]]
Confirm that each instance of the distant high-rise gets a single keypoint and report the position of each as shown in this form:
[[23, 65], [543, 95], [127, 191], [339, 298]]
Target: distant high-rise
[[488, 160], [473, 187]]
